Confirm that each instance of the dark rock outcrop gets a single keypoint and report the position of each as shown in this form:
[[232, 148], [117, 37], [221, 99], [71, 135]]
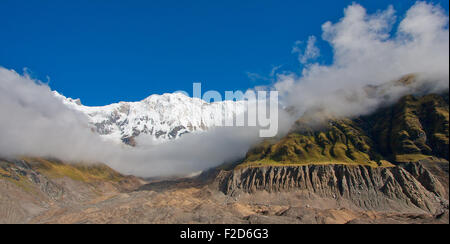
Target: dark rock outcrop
[[410, 187]]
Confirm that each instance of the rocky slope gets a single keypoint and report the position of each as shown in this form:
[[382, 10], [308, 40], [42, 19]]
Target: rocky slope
[[393, 160], [407, 188], [388, 167], [30, 187], [160, 117], [50, 191]]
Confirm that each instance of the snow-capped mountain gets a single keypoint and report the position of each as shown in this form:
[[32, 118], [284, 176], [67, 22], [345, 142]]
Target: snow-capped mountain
[[161, 117]]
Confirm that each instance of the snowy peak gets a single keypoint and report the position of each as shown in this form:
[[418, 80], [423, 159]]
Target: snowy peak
[[157, 117]]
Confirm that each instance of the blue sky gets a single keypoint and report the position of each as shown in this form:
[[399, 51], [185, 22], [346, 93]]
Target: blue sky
[[110, 51]]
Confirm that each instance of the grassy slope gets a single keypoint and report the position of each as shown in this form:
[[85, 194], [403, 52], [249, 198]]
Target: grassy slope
[[80, 172], [54, 169], [411, 130], [340, 142]]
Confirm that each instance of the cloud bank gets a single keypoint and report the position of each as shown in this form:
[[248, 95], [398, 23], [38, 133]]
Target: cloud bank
[[34, 122], [367, 51]]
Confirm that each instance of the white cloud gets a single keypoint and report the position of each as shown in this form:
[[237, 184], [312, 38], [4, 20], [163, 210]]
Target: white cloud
[[368, 52], [311, 51], [35, 123]]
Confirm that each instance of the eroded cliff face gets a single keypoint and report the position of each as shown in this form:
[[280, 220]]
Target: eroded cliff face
[[394, 160], [44, 191], [412, 187]]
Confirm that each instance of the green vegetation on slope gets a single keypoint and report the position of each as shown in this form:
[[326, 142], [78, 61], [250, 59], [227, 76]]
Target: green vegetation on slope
[[413, 129], [20, 176], [79, 172], [339, 142]]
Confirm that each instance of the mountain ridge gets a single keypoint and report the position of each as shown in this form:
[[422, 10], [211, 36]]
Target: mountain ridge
[[335, 173], [414, 128], [161, 117]]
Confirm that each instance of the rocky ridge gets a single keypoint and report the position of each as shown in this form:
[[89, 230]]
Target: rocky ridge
[[50, 191], [407, 188], [158, 117], [395, 159]]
